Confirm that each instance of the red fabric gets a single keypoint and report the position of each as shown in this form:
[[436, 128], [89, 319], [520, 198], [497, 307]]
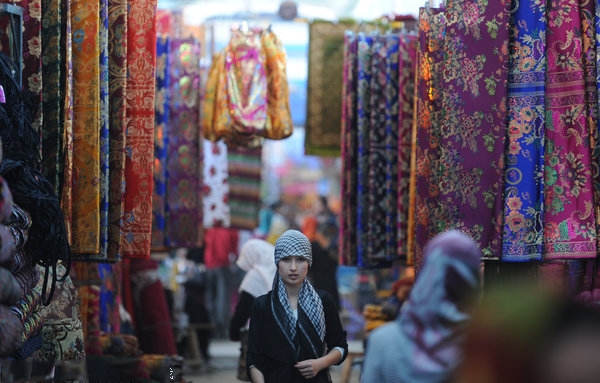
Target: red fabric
[[219, 243]]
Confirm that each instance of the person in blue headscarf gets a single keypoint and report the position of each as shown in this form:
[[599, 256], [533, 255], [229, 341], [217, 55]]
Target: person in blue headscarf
[[424, 343], [295, 331]]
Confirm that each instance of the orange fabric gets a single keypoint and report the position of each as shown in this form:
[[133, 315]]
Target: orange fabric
[[86, 120]]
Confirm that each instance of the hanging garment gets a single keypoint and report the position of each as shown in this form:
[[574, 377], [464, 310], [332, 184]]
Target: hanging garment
[[117, 66], [216, 118], [569, 216], [524, 190], [245, 68], [141, 58]]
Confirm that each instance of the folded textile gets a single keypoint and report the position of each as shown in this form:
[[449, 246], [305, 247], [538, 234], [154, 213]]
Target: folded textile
[[10, 290]]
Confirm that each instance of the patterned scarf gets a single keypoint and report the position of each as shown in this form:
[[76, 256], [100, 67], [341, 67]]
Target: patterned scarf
[[308, 333]]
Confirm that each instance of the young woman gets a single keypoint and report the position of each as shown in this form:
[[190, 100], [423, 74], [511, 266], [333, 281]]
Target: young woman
[[295, 331]]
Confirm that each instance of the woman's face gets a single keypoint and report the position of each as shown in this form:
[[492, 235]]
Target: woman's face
[[293, 270]]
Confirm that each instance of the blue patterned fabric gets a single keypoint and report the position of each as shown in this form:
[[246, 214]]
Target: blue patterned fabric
[[524, 173]]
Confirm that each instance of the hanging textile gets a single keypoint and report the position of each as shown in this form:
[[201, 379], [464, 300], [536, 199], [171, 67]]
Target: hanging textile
[[247, 95], [31, 76], [425, 177], [380, 134], [66, 197], [216, 119], [377, 123], [216, 211], [246, 87], [53, 74], [569, 216], [110, 297], [473, 126], [184, 156], [324, 85], [104, 131], [86, 119], [161, 124], [117, 69], [244, 167], [279, 122], [141, 57], [524, 175], [363, 112], [406, 95], [347, 236]]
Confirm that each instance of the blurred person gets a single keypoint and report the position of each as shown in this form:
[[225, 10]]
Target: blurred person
[[323, 273], [196, 309], [256, 259], [523, 333], [221, 247], [295, 331], [424, 343], [399, 293], [279, 222]]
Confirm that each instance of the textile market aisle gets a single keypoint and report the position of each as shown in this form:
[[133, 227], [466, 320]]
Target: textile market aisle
[[223, 367]]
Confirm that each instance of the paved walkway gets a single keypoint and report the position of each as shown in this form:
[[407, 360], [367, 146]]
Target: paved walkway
[[223, 367]]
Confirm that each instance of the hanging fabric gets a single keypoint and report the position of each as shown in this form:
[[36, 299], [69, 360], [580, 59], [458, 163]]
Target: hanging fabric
[[184, 155], [407, 56], [66, 197], [216, 209], [117, 68], [473, 126], [141, 57], [279, 124], [425, 175], [324, 84], [216, 119], [569, 216], [524, 191], [376, 125], [244, 167], [363, 122], [246, 94], [53, 72], [246, 87], [86, 119], [348, 184], [161, 133], [104, 130]]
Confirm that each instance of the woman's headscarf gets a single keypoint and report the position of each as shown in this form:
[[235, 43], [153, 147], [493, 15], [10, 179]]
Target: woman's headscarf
[[310, 327], [434, 319], [256, 259]]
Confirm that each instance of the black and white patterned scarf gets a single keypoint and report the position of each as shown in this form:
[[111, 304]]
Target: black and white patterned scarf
[[308, 332]]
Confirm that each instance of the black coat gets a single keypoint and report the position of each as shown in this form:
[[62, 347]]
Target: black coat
[[269, 351]]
